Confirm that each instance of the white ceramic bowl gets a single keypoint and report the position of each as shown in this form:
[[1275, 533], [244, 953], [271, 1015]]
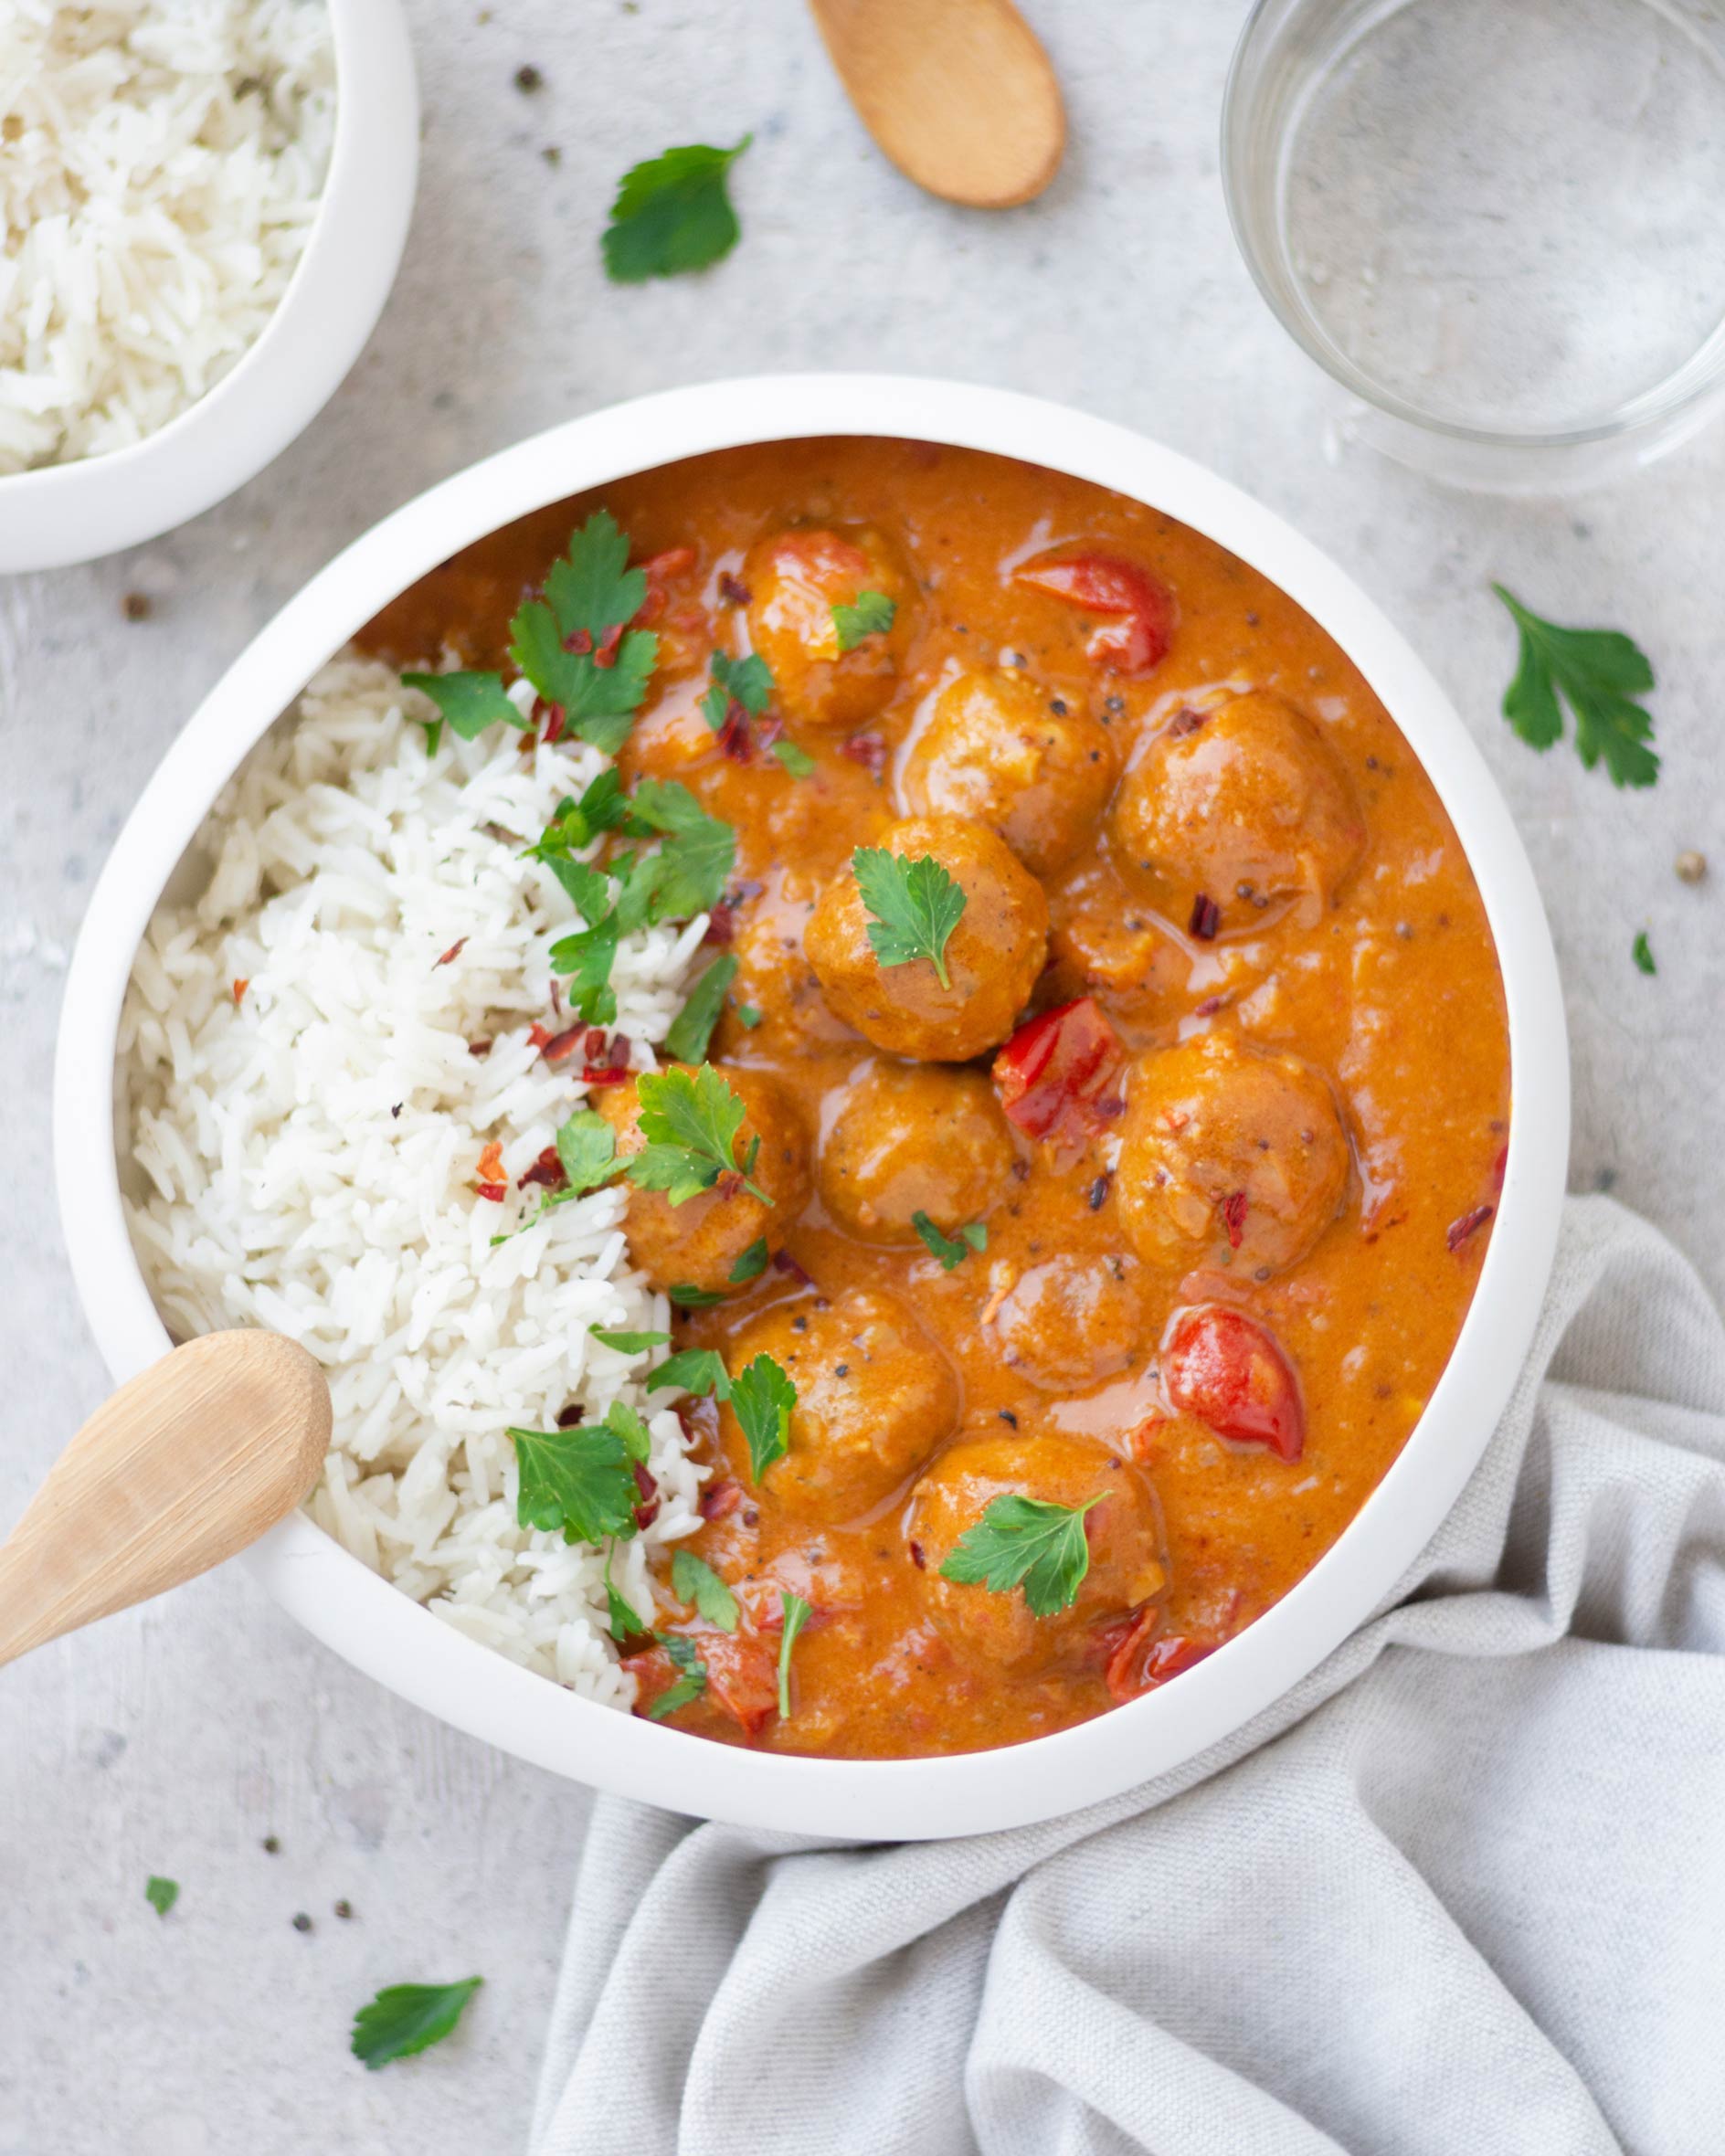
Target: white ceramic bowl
[[96, 505], [384, 1633]]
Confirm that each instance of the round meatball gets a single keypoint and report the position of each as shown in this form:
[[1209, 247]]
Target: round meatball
[[1229, 1153], [996, 1627], [795, 579], [991, 958], [1245, 806], [999, 749], [910, 1138], [1073, 1322], [698, 1242], [874, 1397]]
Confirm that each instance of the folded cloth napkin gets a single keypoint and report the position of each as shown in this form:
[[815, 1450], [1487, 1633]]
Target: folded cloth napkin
[[1462, 1892]]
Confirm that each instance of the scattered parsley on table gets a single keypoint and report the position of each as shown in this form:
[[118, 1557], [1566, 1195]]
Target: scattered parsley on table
[[160, 1894], [1599, 672], [673, 213], [1642, 952], [406, 2018]]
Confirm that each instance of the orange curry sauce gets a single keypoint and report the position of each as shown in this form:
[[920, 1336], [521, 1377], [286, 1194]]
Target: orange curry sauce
[[1386, 985]]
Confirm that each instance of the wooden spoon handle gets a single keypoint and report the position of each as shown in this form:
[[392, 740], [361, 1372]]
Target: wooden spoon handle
[[186, 1465]]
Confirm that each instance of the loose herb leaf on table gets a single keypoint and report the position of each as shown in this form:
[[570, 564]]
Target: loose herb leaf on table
[[915, 904], [160, 1894], [689, 1120], [673, 213], [1642, 953], [406, 2018], [1599, 672], [1025, 1542]]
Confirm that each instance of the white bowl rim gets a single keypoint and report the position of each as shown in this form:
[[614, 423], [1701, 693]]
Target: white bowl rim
[[298, 360], [382, 1630]]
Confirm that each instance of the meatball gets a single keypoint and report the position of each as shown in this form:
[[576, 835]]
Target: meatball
[[795, 579], [698, 1242], [1245, 806], [1124, 1534], [997, 749], [1073, 1322], [1229, 1153], [874, 1397], [991, 958], [774, 978], [910, 1138]]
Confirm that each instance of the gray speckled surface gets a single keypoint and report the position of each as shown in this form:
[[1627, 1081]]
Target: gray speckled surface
[[175, 1739]]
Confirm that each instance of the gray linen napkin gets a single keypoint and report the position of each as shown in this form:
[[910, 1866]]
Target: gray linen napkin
[[1462, 1892]]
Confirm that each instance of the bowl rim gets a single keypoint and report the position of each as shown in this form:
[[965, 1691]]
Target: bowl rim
[[392, 1638], [293, 366]]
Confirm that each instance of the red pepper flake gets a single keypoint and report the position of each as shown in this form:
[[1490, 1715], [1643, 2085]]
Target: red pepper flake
[[1497, 1168], [568, 1417], [578, 643], [1469, 1224], [917, 1557], [1206, 919], [240, 991], [1185, 720], [722, 923], [548, 1171], [732, 736], [537, 1035], [605, 651], [721, 1501], [620, 1053], [559, 1047], [593, 1047], [659, 569], [604, 1074], [492, 1183], [733, 590], [453, 952], [784, 1263], [557, 1001], [480, 1049], [1234, 1216], [1110, 1105], [556, 719], [867, 749], [1207, 1008], [647, 1511]]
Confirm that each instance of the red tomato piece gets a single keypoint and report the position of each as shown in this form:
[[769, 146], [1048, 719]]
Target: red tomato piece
[[742, 1678], [1138, 1661], [1137, 608], [1227, 1371], [1055, 1067]]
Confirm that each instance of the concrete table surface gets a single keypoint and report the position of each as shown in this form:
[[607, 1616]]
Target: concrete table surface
[[175, 1739]]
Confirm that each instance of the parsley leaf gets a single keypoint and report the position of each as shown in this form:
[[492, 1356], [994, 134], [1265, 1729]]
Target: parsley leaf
[[762, 1397], [697, 855], [749, 681], [588, 592], [751, 1264], [575, 826], [1022, 1541], [797, 1614], [1599, 673], [689, 1120], [627, 1343], [1642, 952], [586, 1146], [699, 1370], [673, 213], [950, 1250], [687, 1297], [915, 904], [691, 1028], [160, 1894], [406, 2018], [748, 1016], [797, 761], [688, 1685], [581, 1481], [693, 1580], [871, 616], [469, 702], [622, 1620], [628, 1428]]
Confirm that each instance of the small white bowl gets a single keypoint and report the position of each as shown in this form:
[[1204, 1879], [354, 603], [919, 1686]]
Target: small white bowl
[[379, 1629], [95, 505]]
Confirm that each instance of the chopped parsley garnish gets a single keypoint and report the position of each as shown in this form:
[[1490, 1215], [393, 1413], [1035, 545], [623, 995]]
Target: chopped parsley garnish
[[691, 1028], [468, 703], [630, 1343], [1599, 673], [699, 1370], [797, 1614], [1642, 951], [687, 1297], [915, 904], [1024, 1542], [568, 645], [697, 854], [748, 1016], [797, 761], [160, 1894], [693, 1580], [587, 1146], [749, 681], [691, 1683], [689, 1120], [870, 614], [950, 1250], [622, 1620], [673, 213], [575, 825], [406, 2018], [578, 1482], [628, 1429], [762, 1397], [751, 1264]]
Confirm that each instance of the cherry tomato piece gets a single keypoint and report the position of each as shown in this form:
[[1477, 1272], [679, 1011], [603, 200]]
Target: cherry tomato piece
[[1225, 1369], [1138, 1661], [1139, 611], [1054, 1070]]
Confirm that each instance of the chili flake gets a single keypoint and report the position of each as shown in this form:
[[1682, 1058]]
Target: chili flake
[[240, 992], [1234, 1216], [453, 952], [1469, 1223], [1206, 919], [492, 1183]]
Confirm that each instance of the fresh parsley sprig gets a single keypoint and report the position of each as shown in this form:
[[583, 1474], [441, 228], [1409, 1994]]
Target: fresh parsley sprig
[[797, 1614], [406, 2018], [747, 682], [700, 1370], [692, 1028], [581, 1481], [689, 1120], [1025, 1542], [762, 1398], [915, 904], [870, 614], [1599, 672], [949, 1249], [673, 213]]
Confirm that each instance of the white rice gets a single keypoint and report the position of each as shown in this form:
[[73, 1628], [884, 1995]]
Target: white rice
[[305, 1158], [160, 166]]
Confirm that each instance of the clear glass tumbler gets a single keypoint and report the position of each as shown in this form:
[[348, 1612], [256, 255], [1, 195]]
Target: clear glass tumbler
[[1500, 225]]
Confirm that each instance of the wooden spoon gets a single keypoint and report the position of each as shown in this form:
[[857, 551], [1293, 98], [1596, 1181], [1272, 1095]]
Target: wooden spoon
[[958, 93], [183, 1467]]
